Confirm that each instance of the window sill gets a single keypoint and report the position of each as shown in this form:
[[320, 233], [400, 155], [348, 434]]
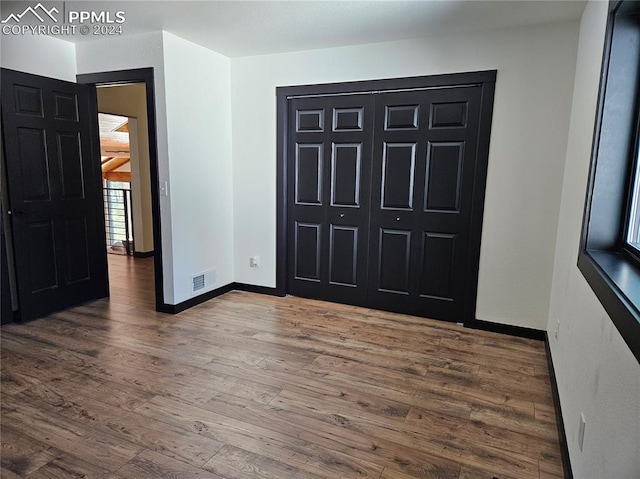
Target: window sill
[[616, 282]]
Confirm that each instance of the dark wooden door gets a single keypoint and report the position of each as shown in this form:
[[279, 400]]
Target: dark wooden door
[[6, 306], [328, 202], [52, 168], [426, 144]]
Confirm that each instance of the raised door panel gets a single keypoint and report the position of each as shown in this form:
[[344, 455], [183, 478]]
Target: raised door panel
[[28, 101], [43, 267], [77, 257], [443, 182], [401, 117], [308, 174], [438, 266], [33, 158], [307, 246], [348, 119], [452, 114], [310, 120], [65, 106], [346, 170], [394, 257], [70, 165], [398, 175], [343, 256]]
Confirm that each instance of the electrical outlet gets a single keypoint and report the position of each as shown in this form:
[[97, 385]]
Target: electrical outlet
[[254, 262], [581, 427], [557, 329]]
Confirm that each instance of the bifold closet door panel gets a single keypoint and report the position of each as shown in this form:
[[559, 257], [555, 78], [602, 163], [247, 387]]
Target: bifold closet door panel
[[425, 147], [329, 158]]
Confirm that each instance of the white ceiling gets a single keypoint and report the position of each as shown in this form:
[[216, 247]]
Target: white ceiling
[[241, 28]]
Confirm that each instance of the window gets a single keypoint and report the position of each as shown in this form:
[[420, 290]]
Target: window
[[633, 223], [609, 255]]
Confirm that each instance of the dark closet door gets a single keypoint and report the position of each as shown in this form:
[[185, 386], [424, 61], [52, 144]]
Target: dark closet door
[[425, 151], [52, 165], [328, 202]]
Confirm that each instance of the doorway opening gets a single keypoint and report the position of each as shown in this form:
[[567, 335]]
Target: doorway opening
[[124, 164], [125, 106], [115, 165]]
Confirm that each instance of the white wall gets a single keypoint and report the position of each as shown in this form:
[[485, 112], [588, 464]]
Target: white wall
[[40, 55], [130, 52], [596, 372], [528, 144], [193, 115], [197, 85]]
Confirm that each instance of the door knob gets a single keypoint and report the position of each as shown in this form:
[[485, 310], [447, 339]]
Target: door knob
[[341, 215], [397, 218]]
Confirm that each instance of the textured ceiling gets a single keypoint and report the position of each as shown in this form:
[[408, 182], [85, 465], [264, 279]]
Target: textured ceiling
[[241, 28]]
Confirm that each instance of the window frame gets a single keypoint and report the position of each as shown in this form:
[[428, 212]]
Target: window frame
[[608, 263]]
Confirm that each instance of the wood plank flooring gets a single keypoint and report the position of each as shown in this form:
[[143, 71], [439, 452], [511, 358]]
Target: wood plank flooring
[[258, 387]]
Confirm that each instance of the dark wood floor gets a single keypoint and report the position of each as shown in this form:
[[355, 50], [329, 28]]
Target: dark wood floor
[[251, 386]]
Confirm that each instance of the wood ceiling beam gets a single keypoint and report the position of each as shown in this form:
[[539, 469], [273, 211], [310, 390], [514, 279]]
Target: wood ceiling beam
[[115, 153], [114, 146], [114, 163], [117, 176]]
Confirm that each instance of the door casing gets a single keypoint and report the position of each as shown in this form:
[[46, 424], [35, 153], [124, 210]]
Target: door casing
[[143, 75], [485, 79]]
